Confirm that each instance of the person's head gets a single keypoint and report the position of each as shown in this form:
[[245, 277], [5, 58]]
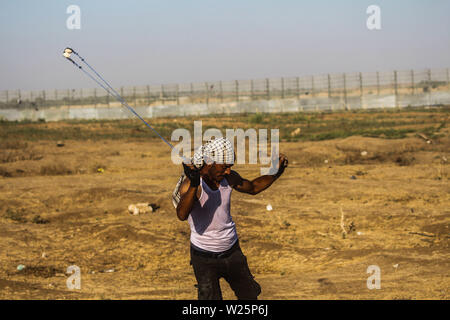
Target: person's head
[[216, 171], [215, 158]]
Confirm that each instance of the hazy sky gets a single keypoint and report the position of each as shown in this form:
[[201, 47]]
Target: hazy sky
[[137, 42]]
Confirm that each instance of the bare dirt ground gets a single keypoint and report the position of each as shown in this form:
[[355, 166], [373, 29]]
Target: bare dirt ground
[[58, 209]]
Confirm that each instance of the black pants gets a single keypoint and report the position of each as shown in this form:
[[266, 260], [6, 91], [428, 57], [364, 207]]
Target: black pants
[[232, 267]]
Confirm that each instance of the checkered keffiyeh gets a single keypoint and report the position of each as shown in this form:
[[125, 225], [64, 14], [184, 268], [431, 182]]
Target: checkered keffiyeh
[[219, 150]]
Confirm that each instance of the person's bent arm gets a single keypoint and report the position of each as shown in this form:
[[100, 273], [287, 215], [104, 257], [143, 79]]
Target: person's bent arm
[[188, 191], [188, 196], [259, 184]]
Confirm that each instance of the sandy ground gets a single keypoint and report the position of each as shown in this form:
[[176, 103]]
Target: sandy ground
[[57, 209]]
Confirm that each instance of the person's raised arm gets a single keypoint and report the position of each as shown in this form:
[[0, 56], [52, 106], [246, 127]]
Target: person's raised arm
[[259, 184]]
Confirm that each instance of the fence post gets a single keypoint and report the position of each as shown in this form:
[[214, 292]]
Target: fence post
[[329, 86], [360, 84], [236, 82], [395, 88], [148, 95], [429, 86], [448, 81], [345, 91], [251, 90], [378, 83], [282, 88], [268, 88], [361, 93], [221, 91], [412, 82], [207, 93], [297, 84]]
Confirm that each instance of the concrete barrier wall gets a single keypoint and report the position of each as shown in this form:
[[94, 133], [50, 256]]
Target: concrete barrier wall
[[116, 111]]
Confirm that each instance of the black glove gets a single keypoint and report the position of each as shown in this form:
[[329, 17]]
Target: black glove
[[192, 174]]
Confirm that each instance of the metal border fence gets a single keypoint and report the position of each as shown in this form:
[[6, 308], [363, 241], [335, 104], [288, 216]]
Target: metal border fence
[[345, 86]]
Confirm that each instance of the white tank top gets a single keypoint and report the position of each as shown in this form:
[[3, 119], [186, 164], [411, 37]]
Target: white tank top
[[212, 227]]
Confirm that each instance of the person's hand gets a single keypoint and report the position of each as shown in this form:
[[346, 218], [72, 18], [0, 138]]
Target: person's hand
[[193, 174], [282, 164]]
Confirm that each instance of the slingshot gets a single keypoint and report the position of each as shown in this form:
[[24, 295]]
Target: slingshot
[[110, 90]]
